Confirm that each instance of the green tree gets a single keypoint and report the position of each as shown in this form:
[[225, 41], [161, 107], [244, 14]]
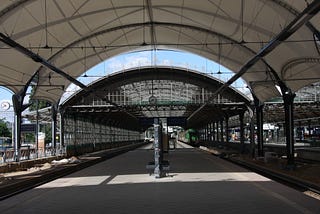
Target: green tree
[[41, 104], [4, 130]]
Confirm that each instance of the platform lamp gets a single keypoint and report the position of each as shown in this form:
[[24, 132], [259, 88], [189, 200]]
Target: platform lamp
[[85, 60]]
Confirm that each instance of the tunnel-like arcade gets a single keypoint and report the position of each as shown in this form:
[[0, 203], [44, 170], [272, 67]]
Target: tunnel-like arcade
[[131, 100]]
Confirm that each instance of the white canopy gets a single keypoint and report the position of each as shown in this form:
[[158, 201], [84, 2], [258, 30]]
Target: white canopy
[[76, 35]]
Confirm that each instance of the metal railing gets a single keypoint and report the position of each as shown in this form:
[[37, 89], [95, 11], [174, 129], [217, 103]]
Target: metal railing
[[7, 154]]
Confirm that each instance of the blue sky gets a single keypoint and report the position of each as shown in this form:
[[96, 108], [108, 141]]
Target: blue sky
[[144, 58], [168, 58]]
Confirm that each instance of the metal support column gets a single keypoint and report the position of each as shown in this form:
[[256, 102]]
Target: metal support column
[[158, 153], [288, 98], [259, 114], [54, 128], [61, 129], [208, 132], [227, 128], [241, 116], [300, 132], [252, 140], [205, 133], [221, 130], [217, 124], [213, 131], [17, 135], [37, 128], [19, 107]]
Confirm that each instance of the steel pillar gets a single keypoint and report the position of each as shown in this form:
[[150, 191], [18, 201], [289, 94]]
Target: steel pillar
[[227, 128], [213, 131], [54, 127], [218, 133], [158, 151], [221, 130], [37, 128], [259, 117], [17, 135], [19, 107], [205, 133], [300, 132], [288, 98], [252, 140], [241, 116], [208, 132], [61, 128], [309, 128]]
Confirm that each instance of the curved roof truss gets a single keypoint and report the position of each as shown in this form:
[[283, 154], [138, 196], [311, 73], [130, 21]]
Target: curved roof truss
[[75, 36], [158, 92]]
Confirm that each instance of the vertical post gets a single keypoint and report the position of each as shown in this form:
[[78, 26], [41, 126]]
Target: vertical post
[[309, 129], [221, 130], [206, 133], [37, 128], [61, 129], [288, 98], [157, 149], [217, 123], [259, 115], [17, 136], [17, 101], [300, 133], [75, 134], [227, 128], [213, 132], [252, 140], [54, 127], [241, 115]]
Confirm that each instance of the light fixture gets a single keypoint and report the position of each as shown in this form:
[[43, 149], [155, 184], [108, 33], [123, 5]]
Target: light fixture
[[85, 60], [219, 55]]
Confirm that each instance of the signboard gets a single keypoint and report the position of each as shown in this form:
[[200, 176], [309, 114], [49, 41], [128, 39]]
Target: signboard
[[28, 128], [176, 121]]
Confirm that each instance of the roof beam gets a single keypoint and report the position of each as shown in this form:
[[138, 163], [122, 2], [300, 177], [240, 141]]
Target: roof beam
[[152, 29], [303, 18], [35, 57]]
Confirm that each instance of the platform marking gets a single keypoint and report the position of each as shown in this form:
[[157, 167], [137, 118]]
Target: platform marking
[[75, 181], [189, 177]]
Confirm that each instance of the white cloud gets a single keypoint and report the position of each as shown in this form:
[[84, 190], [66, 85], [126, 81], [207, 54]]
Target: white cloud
[[166, 62], [129, 61]]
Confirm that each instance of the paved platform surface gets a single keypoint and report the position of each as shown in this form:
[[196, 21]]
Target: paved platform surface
[[197, 183]]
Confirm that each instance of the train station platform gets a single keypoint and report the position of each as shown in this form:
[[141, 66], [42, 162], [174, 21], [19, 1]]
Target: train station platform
[[197, 182]]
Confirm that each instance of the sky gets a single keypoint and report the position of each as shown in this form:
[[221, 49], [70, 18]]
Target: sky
[[137, 59]]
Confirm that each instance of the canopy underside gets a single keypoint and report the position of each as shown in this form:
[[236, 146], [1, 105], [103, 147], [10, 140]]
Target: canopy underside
[[76, 35]]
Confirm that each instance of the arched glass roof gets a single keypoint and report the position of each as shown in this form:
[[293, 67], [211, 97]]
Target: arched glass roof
[[168, 58], [75, 35], [149, 92]]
